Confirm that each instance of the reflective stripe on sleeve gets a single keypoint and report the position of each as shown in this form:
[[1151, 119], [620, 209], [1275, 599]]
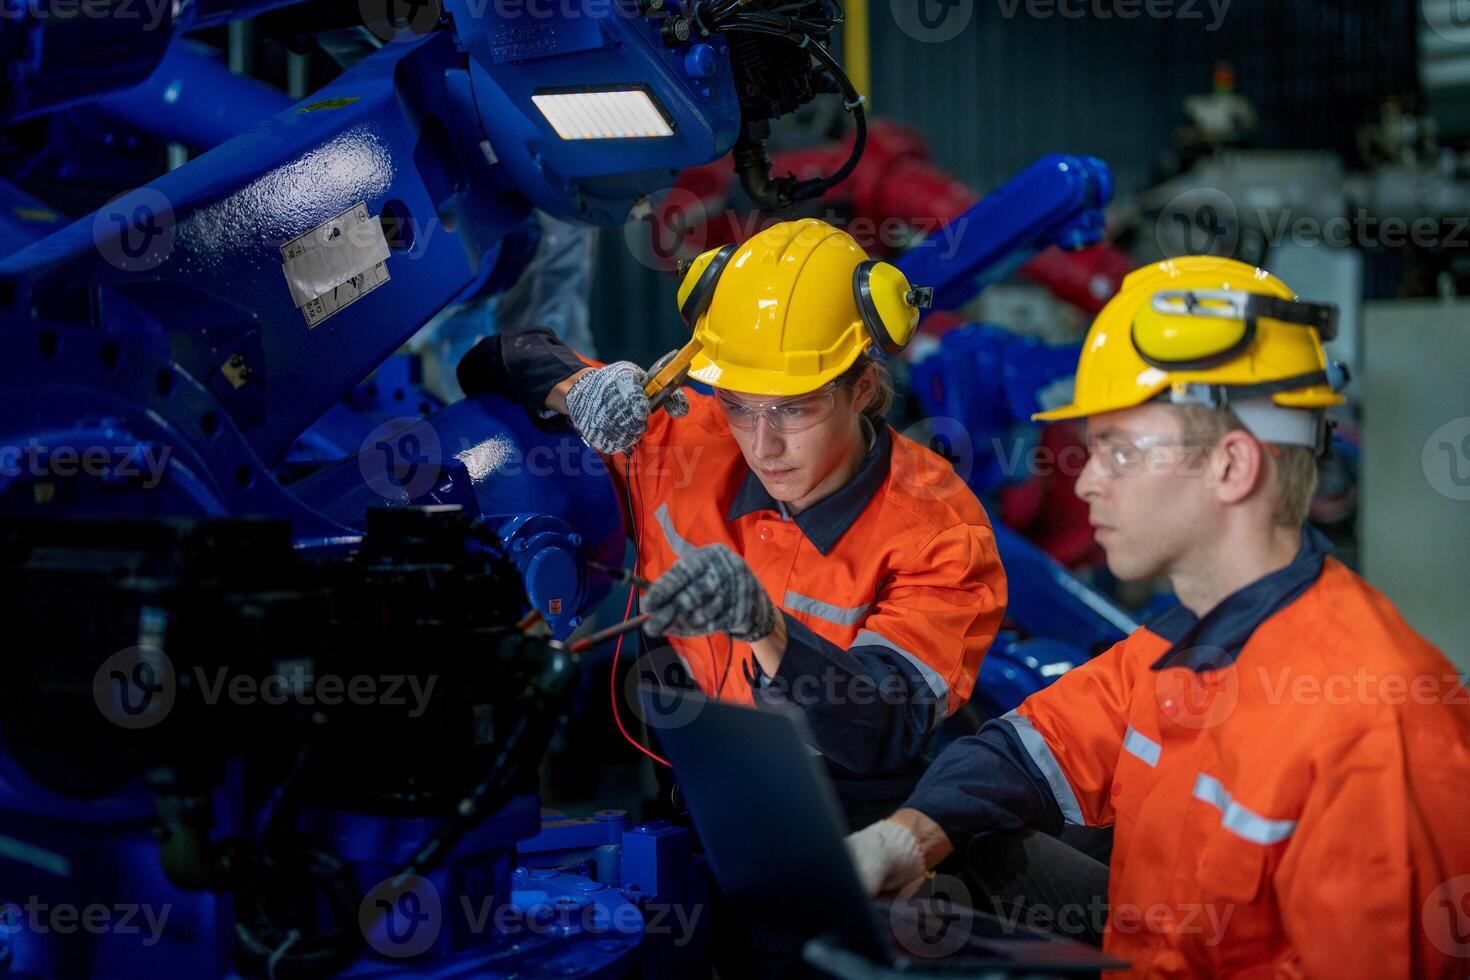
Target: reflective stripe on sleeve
[[1041, 754], [931, 676], [867, 638]]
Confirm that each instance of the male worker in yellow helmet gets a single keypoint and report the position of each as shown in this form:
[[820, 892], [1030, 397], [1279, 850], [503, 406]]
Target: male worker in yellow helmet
[[802, 551], [1281, 806]]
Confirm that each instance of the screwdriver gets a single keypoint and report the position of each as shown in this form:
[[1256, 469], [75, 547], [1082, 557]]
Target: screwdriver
[[623, 575], [592, 639]]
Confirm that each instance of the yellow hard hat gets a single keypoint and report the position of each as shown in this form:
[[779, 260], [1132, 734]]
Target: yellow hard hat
[[1206, 330], [792, 308]]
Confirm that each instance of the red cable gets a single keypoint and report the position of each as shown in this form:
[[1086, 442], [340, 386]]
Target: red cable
[[632, 591], [613, 684]]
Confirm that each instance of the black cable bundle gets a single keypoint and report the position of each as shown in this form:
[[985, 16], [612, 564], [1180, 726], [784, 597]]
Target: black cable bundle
[[790, 22]]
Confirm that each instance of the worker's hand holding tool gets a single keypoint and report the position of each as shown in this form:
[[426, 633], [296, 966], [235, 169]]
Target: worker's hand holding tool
[[886, 855], [610, 410], [710, 590]]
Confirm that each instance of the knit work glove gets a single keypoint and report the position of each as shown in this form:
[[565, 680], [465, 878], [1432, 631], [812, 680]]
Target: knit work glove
[[886, 856], [709, 590], [609, 409]]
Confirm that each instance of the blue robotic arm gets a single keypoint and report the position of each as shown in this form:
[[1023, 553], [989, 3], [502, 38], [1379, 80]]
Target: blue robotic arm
[[445, 155], [207, 319], [1058, 200]]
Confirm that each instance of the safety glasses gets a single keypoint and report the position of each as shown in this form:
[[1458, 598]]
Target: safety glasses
[[1123, 457], [1203, 328], [785, 415]]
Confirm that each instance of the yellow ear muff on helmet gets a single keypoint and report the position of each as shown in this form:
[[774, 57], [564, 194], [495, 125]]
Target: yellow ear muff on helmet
[[697, 283], [1196, 329], [888, 304]]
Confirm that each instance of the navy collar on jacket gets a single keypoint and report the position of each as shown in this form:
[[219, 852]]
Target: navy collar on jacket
[[1216, 639], [825, 521]]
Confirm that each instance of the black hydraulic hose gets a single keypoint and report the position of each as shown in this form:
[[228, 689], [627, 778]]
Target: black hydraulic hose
[[751, 161]]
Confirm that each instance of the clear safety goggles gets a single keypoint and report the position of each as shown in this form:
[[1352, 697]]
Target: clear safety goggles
[[1154, 454], [785, 415]]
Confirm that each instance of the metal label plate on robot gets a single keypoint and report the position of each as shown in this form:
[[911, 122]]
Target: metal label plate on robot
[[336, 263]]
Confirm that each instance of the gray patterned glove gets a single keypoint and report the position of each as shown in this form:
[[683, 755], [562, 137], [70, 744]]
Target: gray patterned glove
[[710, 590], [609, 409]]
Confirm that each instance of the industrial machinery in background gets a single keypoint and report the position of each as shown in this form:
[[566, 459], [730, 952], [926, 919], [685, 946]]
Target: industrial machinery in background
[[288, 644]]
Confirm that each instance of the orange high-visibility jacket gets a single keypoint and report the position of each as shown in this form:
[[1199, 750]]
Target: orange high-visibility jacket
[[891, 588], [1288, 778]]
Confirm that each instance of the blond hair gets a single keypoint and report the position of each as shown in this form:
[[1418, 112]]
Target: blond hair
[[1294, 467], [877, 410]]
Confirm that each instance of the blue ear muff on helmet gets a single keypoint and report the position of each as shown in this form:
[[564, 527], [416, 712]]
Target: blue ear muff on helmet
[[702, 293], [888, 305]]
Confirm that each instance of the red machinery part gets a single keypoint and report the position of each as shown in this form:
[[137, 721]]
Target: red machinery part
[[895, 188]]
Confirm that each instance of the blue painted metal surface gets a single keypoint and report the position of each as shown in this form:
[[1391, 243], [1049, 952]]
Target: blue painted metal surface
[[24, 219], [1014, 669], [62, 860], [1047, 600], [1058, 200], [56, 55], [451, 153], [193, 98], [509, 62], [394, 391], [475, 916], [651, 865], [202, 353], [545, 494], [1017, 371], [193, 261]]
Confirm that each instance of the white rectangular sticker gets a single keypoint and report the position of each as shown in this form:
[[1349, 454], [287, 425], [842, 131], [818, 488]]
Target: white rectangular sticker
[[336, 263]]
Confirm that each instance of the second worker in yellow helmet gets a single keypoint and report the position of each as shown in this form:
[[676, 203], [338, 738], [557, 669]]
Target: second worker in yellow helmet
[[801, 550]]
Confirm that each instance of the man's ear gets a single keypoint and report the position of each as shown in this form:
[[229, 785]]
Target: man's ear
[[1237, 466]]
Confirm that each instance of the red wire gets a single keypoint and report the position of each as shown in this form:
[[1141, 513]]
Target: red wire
[[613, 684], [632, 591]]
